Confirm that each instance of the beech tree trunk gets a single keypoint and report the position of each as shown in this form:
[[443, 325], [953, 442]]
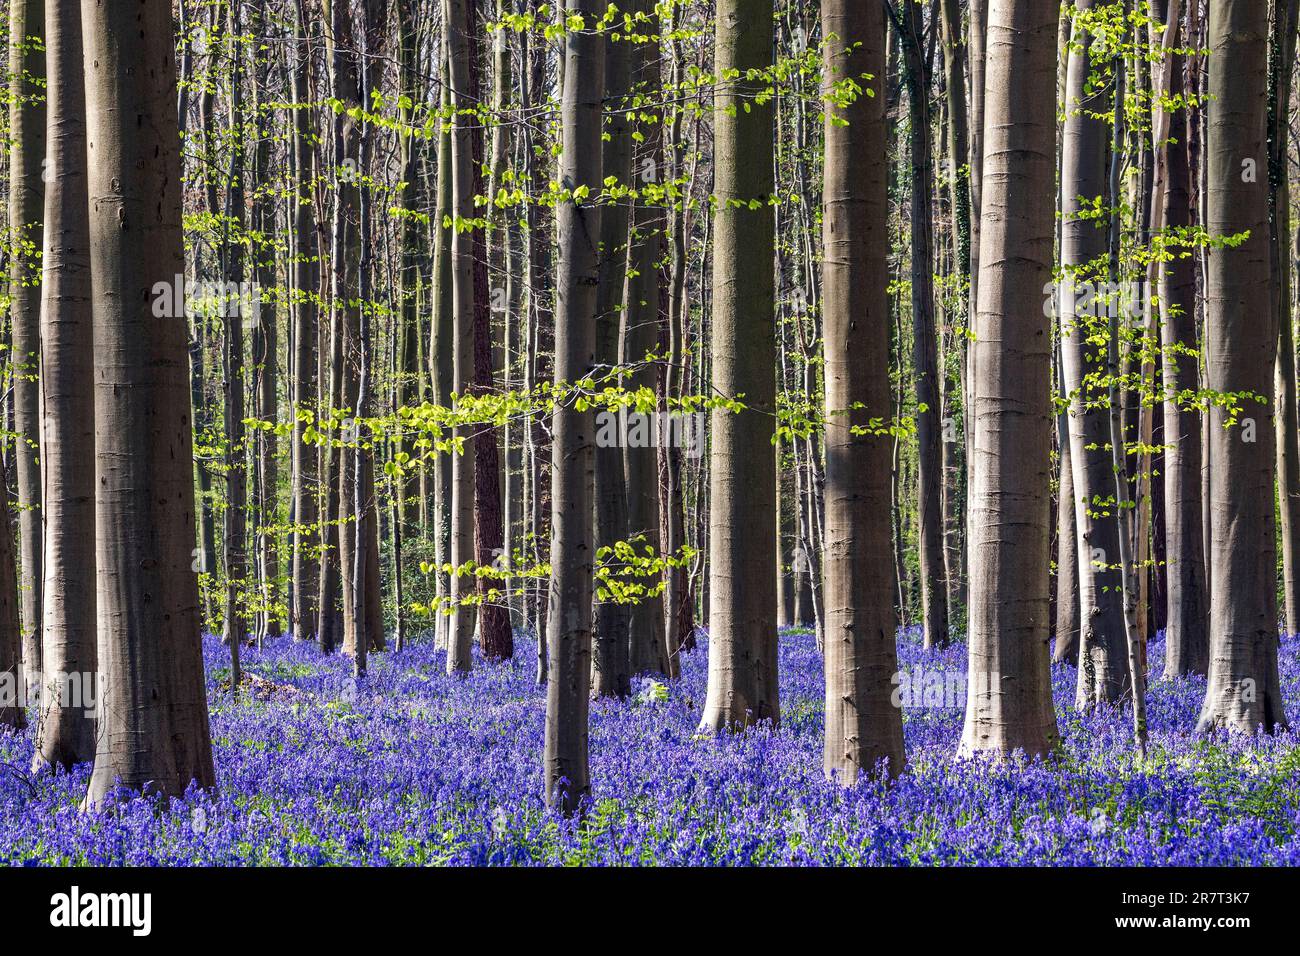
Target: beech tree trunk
[[461, 36], [1102, 653], [66, 734], [304, 313], [569, 618], [1242, 692], [153, 730], [644, 298], [1282, 52], [27, 155], [742, 685], [1009, 698], [12, 714], [611, 671], [1187, 645], [925, 346], [863, 727]]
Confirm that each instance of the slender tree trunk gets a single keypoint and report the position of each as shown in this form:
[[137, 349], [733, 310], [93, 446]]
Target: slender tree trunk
[[863, 727], [495, 637], [235, 532], [265, 356], [569, 624], [27, 155], [742, 685], [925, 347], [611, 676], [442, 350], [1009, 702], [12, 714], [644, 298], [1243, 691], [461, 36], [305, 277], [1067, 557], [1186, 638], [67, 725], [959, 177], [153, 730], [1282, 50], [1102, 671]]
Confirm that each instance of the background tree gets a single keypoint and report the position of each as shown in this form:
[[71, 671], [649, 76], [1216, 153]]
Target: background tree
[[67, 729], [27, 164]]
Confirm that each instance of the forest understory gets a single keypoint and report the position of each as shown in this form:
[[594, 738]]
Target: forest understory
[[418, 768]]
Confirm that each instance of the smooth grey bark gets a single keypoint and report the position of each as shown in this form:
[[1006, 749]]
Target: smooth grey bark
[[925, 346], [26, 208], [1066, 649], [863, 727], [569, 613], [959, 178], [1242, 691], [611, 670], [1282, 51], [460, 34], [1009, 698], [441, 349], [1187, 646], [1102, 672], [644, 296], [235, 531], [153, 730], [742, 686], [304, 314], [66, 733], [12, 714]]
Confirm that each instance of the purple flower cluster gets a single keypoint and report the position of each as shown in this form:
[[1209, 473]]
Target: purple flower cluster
[[411, 766]]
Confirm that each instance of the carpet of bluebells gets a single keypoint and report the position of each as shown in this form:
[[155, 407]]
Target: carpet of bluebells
[[415, 767]]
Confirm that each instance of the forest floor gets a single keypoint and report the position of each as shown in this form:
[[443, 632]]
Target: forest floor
[[415, 767]]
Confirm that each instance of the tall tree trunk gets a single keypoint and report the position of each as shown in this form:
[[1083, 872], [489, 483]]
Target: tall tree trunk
[[742, 606], [679, 612], [305, 277], [1009, 702], [863, 726], [459, 20], [959, 177], [644, 298], [235, 615], [495, 637], [67, 727], [1187, 645], [153, 730], [265, 356], [1067, 556], [925, 345], [12, 713], [1102, 670], [1243, 691], [441, 351], [1282, 51], [612, 663], [27, 155], [569, 626]]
